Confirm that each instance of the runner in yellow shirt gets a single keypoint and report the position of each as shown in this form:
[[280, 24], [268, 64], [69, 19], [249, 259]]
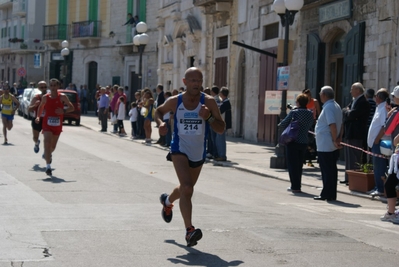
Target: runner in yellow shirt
[[7, 111]]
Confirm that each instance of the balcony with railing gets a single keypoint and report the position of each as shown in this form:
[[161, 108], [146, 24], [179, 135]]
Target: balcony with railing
[[26, 46], [5, 3], [19, 8], [86, 31]]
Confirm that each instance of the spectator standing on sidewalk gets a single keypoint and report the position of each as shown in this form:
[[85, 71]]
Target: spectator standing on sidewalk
[[133, 114], [296, 149], [355, 117], [225, 110], [103, 108], [375, 134], [213, 153], [121, 113], [148, 104], [392, 129], [328, 139], [114, 100], [166, 119], [158, 102], [84, 97]]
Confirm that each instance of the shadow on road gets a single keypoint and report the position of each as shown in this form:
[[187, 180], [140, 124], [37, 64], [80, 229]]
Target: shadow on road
[[195, 257], [56, 180]]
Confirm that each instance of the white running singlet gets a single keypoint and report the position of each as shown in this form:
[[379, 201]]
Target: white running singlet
[[190, 131]]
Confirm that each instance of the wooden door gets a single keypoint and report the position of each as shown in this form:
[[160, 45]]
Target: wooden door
[[267, 124], [353, 59]]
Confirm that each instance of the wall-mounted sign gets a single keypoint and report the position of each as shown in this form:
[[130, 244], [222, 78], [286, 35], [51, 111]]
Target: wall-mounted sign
[[57, 56], [273, 101], [283, 76], [37, 61], [335, 11]]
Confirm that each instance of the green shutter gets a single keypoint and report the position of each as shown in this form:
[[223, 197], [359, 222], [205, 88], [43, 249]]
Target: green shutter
[[93, 10], [143, 10], [130, 7], [62, 19], [22, 31], [93, 16]]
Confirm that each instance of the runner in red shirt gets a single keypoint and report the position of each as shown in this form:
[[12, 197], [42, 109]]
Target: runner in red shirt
[[53, 103]]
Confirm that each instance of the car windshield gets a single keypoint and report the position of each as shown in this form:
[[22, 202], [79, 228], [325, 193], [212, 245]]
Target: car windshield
[[71, 97]]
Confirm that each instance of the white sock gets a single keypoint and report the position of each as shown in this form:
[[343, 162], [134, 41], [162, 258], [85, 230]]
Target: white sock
[[48, 166], [167, 202]]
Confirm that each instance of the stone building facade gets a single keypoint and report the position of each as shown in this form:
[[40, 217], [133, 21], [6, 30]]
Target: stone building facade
[[333, 43], [101, 47]]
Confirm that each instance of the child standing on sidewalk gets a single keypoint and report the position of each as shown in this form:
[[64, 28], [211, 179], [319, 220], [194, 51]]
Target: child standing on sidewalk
[[133, 113]]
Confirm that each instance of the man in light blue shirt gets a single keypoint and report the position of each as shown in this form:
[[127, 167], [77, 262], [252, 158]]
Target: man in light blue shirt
[[103, 107], [328, 138]]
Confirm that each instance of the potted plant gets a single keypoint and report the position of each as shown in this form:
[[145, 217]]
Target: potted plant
[[23, 46], [362, 179], [36, 41]]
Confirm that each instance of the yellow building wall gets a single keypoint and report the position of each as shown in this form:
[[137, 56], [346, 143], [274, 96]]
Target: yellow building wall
[[72, 11], [52, 12], [83, 10], [103, 16]]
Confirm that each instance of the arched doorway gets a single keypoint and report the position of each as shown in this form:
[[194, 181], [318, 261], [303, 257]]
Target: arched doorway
[[92, 82], [241, 82]]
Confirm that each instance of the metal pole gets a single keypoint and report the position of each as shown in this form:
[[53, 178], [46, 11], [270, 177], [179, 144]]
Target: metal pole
[[65, 72], [278, 161], [283, 113], [141, 50]]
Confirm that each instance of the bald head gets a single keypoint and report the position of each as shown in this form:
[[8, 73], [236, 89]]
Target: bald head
[[191, 71]]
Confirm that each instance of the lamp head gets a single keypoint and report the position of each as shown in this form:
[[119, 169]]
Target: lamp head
[[144, 39], [65, 52], [136, 40], [278, 6], [293, 5], [141, 27], [64, 44]]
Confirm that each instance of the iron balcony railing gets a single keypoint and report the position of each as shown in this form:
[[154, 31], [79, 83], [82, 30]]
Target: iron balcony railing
[[86, 29], [55, 32]]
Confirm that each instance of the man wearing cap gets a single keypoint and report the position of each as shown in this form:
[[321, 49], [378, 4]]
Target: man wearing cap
[[375, 134], [355, 117], [9, 104]]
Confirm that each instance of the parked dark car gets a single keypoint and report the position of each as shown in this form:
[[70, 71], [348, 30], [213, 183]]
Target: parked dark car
[[74, 98]]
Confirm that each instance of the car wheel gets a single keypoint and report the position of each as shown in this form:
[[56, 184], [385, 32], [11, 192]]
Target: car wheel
[[69, 122], [77, 122]]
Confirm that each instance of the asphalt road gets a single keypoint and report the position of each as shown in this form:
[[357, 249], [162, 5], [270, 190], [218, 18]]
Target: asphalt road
[[101, 208]]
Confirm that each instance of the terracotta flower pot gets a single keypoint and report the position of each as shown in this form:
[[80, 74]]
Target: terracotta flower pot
[[360, 181]]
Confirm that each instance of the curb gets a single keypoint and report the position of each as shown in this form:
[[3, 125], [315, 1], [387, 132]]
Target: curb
[[243, 168]]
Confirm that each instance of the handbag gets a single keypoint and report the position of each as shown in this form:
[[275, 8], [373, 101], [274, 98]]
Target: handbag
[[114, 119], [290, 133]]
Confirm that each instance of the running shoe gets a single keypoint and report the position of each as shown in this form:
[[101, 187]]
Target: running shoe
[[48, 171], [166, 212], [37, 148], [388, 217], [192, 236]]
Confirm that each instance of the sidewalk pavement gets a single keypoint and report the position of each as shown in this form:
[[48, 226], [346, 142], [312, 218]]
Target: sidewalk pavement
[[242, 155]]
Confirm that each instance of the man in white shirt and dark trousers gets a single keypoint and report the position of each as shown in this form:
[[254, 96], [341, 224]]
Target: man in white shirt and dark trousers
[[375, 133]]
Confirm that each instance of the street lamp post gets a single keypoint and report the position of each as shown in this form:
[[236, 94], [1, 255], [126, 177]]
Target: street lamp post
[[286, 9], [65, 53], [141, 40]]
